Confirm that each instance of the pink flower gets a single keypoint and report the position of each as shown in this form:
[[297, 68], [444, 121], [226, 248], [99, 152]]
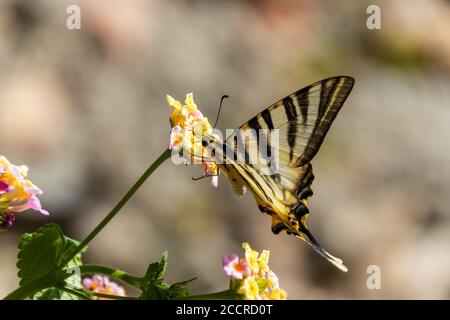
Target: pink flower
[[17, 194], [251, 277], [234, 267], [102, 284], [4, 187]]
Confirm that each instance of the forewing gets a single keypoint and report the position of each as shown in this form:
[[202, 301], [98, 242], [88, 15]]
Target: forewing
[[303, 118]]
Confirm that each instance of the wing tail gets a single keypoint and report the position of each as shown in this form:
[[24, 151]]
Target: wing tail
[[309, 239]]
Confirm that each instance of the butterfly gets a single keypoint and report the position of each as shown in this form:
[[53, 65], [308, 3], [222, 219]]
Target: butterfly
[[301, 121]]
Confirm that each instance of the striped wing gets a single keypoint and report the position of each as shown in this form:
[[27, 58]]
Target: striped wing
[[302, 119]]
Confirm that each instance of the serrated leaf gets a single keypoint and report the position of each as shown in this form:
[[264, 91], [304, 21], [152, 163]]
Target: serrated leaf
[[54, 294], [154, 292], [155, 271], [39, 253], [156, 288], [179, 290], [73, 281]]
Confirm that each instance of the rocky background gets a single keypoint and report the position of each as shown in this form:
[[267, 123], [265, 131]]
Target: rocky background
[[85, 110]]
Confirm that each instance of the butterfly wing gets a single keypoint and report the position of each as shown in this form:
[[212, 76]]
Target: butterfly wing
[[302, 119]]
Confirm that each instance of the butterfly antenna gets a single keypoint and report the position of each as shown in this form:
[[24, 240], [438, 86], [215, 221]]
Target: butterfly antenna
[[220, 108]]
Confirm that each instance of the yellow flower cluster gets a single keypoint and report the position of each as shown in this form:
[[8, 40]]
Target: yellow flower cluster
[[189, 126], [260, 283]]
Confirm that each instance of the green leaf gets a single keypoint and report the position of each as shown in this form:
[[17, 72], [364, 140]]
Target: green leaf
[[154, 292], [73, 281], [155, 271], [54, 294], [179, 289], [156, 288], [39, 255]]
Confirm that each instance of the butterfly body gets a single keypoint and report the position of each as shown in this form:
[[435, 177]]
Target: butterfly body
[[296, 126]]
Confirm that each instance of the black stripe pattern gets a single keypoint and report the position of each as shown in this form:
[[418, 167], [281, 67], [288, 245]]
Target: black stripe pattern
[[267, 119], [291, 115], [333, 93], [303, 102]]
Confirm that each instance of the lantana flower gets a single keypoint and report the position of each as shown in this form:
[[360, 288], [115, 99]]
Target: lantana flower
[[17, 194], [251, 277], [189, 126], [102, 284], [235, 267]]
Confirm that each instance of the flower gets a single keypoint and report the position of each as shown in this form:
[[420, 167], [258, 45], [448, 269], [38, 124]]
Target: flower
[[252, 257], [277, 294], [251, 277], [249, 289], [186, 120], [189, 126], [176, 137], [273, 279], [234, 267], [17, 194], [102, 284], [263, 261]]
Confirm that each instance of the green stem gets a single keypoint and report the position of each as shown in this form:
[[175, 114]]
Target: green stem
[[31, 288], [163, 157], [222, 295], [114, 273]]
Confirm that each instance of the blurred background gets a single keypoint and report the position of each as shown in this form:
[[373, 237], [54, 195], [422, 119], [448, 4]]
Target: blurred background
[[85, 110]]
